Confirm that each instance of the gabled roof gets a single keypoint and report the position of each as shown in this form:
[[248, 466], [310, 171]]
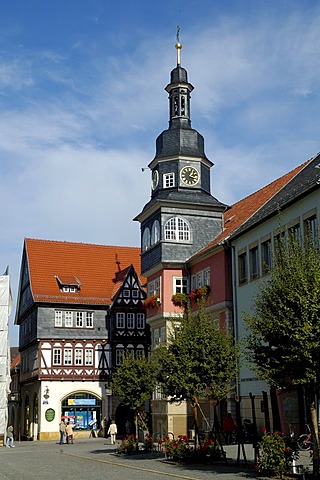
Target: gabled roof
[[95, 267], [241, 212]]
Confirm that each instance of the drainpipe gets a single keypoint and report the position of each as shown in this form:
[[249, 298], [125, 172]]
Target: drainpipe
[[234, 303]]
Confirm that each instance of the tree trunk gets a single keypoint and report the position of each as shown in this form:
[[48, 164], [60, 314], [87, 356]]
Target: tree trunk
[[137, 431], [315, 435], [196, 421]]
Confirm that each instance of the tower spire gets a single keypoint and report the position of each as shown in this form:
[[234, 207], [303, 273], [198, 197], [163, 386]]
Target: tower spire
[[178, 46]]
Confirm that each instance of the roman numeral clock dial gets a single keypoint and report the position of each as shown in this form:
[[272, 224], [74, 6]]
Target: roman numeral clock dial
[[189, 176]]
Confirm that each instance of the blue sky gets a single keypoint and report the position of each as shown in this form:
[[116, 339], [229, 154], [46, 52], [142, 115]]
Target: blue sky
[[82, 101]]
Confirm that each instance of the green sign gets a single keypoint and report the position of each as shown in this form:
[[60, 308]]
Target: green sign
[[50, 414]]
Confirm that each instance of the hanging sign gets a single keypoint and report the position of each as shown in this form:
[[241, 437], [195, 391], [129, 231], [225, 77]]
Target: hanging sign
[[50, 414]]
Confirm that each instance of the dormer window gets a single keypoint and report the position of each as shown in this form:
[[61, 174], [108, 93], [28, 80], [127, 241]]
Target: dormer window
[[68, 284]]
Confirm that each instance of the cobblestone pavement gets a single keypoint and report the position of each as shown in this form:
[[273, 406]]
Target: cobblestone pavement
[[95, 458]]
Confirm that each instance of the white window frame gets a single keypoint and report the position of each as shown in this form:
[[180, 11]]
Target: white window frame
[[180, 285], [130, 320], [56, 356], [135, 293], [58, 318], [177, 229], [140, 321], [79, 319], [67, 356], [78, 356], [88, 356], [68, 319], [89, 319], [120, 320], [168, 180], [126, 293]]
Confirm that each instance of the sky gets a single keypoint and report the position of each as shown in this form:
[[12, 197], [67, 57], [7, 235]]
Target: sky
[[82, 101]]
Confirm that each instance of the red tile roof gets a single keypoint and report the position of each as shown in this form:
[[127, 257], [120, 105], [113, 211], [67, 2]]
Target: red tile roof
[[241, 211], [95, 266]]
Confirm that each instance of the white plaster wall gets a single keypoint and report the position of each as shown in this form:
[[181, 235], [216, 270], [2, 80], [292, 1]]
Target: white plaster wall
[[246, 292], [58, 391]]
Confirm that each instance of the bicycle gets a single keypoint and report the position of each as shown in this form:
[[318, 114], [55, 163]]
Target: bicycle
[[304, 441]]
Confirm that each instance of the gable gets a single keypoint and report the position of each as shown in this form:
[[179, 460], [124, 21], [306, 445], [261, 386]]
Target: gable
[[130, 292]]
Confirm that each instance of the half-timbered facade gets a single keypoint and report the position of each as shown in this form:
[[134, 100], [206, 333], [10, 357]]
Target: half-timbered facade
[[71, 297]]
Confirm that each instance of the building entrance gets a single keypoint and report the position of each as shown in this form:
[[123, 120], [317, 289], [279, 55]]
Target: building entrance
[[82, 409]]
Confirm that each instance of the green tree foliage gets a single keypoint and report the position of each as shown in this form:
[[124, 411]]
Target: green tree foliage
[[199, 362], [134, 381], [284, 340]]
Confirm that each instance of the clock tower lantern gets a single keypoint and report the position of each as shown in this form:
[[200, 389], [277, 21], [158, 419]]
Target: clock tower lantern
[[182, 216]]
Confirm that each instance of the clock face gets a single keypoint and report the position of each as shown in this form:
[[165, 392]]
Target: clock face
[[189, 175], [155, 179]]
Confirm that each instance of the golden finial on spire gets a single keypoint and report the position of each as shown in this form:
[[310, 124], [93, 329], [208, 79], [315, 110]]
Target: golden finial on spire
[[178, 46]]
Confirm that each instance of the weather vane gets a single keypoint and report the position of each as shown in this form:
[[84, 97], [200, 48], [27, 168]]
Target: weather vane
[[178, 46], [178, 33]]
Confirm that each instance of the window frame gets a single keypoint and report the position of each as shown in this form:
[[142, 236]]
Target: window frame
[[177, 229], [140, 320], [78, 356], [120, 320], [68, 318], [183, 287], [88, 356], [242, 267], [57, 356], [254, 262], [168, 180], [130, 320], [58, 318], [67, 356]]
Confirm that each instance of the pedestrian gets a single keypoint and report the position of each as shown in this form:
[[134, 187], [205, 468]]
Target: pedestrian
[[228, 427], [69, 433], [10, 440], [112, 431], [62, 430]]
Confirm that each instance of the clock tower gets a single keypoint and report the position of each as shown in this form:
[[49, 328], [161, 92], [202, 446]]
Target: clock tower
[[182, 216]]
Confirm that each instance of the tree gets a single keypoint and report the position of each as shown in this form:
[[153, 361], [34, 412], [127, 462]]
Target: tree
[[200, 361], [284, 340], [134, 381]]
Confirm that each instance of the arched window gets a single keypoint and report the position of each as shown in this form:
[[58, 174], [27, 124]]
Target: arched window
[[177, 229], [146, 239], [155, 232]]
